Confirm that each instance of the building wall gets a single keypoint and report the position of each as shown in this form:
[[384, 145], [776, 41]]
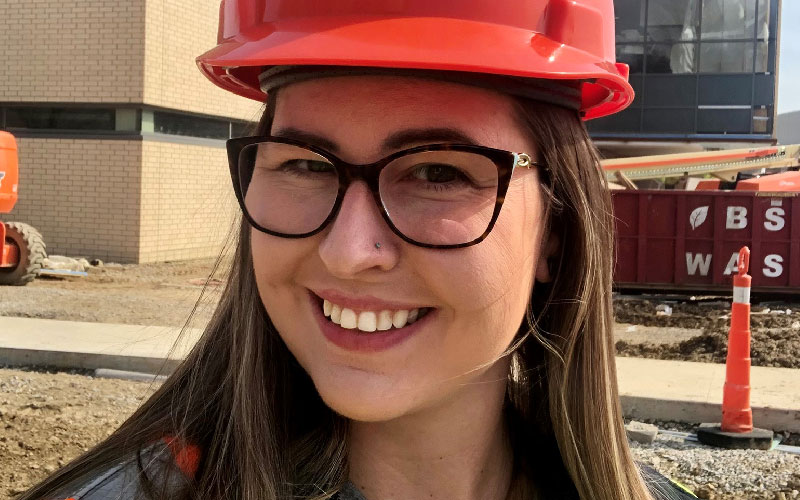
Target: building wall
[[85, 51], [125, 200], [82, 195], [176, 32], [187, 202]]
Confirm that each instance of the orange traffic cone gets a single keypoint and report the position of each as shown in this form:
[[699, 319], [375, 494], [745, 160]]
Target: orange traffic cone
[[736, 430], [736, 413]]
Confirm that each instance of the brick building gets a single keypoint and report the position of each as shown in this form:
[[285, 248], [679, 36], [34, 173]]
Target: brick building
[[121, 139]]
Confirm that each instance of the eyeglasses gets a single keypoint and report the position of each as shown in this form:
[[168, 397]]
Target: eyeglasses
[[434, 196]]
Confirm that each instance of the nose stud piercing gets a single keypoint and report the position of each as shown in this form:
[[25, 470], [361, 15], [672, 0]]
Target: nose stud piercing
[[377, 245]]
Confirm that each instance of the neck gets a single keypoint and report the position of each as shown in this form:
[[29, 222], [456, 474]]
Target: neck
[[456, 450]]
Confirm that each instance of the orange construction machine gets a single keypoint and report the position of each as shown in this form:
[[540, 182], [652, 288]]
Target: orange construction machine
[[23, 249]]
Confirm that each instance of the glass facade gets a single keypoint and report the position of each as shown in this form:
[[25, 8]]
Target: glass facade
[[48, 118], [701, 69], [76, 120]]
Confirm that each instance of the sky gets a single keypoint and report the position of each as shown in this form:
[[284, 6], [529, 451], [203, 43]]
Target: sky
[[789, 70]]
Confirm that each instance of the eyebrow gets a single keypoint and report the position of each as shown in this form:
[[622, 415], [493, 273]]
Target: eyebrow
[[397, 140]]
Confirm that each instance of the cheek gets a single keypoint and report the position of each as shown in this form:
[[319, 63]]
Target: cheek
[[488, 285], [277, 263], [266, 252]]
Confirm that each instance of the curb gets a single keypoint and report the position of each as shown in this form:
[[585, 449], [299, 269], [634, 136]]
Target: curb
[[639, 407], [10, 356]]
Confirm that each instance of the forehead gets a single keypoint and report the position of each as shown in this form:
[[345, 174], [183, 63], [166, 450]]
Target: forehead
[[359, 112]]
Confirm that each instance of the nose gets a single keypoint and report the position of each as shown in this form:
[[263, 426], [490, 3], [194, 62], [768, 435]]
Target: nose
[[350, 244]]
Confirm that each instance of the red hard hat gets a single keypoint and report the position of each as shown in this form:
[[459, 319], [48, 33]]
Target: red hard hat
[[542, 39]]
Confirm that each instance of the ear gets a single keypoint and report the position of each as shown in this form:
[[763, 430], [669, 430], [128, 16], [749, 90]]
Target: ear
[[551, 245]]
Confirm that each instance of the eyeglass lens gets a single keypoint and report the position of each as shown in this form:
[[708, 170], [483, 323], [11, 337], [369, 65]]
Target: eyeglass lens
[[438, 197]]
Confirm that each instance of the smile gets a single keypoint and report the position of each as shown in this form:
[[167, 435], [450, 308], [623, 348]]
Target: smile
[[370, 321], [368, 324]]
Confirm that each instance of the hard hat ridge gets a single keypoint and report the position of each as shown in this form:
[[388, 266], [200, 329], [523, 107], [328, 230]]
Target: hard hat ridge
[[534, 40], [564, 93]]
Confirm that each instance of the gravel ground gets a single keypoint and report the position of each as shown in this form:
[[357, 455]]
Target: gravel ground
[[723, 474], [46, 419]]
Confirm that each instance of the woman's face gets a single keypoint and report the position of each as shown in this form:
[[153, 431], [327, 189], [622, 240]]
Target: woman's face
[[475, 296]]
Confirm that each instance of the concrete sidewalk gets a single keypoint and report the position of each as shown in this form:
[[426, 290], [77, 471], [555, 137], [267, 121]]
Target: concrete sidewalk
[[72, 344], [656, 389], [692, 392]]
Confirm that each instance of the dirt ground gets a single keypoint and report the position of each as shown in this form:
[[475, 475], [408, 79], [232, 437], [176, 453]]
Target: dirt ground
[[775, 330], [160, 294], [47, 419]]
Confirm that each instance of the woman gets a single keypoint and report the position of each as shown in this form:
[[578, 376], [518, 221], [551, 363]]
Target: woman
[[420, 303]]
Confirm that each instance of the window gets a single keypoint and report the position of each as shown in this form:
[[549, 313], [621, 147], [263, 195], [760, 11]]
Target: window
[[628, 120], [764, 90], [672, 20], [675, 121], [699, 67], [726, 57], [765, 57], [725, 90], [764, 24], [671, 91], [671, 58], [193, 126], [629, 20], [728, 19], [632, 55], [724, 121], [47, 118], [242, 129]]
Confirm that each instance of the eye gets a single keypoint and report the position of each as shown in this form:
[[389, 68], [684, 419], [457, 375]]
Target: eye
[[438, 173], [301, 164]]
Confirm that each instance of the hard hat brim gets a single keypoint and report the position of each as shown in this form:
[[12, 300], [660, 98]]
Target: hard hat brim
[[440, 44]]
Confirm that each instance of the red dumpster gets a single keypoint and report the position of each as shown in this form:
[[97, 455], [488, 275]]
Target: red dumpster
[[690, 240]]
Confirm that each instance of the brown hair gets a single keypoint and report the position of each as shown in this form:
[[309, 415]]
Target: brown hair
[[265, 433]]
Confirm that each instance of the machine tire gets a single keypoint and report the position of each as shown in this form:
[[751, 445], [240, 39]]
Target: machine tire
[[32, 252]]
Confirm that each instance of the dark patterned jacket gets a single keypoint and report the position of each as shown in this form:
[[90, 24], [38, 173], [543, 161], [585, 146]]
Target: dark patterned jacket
[[121, 482]]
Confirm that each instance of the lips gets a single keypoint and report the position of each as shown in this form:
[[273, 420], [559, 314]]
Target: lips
[[375, 326]]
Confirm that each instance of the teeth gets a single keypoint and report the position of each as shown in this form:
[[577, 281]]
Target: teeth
[[384, 320], [349, 319], [400, 318], [369, 321], [336, 314]]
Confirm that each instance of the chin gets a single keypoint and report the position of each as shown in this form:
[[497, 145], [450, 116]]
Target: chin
[[363, 396]]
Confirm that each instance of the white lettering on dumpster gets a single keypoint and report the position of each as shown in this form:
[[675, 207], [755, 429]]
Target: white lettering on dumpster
[[737, 218], [697, 261], [775, 219], [773, 265], [702, 262], [2, 174], [733, 264]]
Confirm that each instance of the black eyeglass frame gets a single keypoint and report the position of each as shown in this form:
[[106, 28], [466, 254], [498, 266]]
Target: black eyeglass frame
[[505, 161]]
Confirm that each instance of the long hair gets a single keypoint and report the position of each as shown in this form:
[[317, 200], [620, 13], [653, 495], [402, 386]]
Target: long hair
[[265, 433]]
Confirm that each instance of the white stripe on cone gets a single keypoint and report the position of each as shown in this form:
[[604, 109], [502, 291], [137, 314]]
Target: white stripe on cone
[[741, 294]]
